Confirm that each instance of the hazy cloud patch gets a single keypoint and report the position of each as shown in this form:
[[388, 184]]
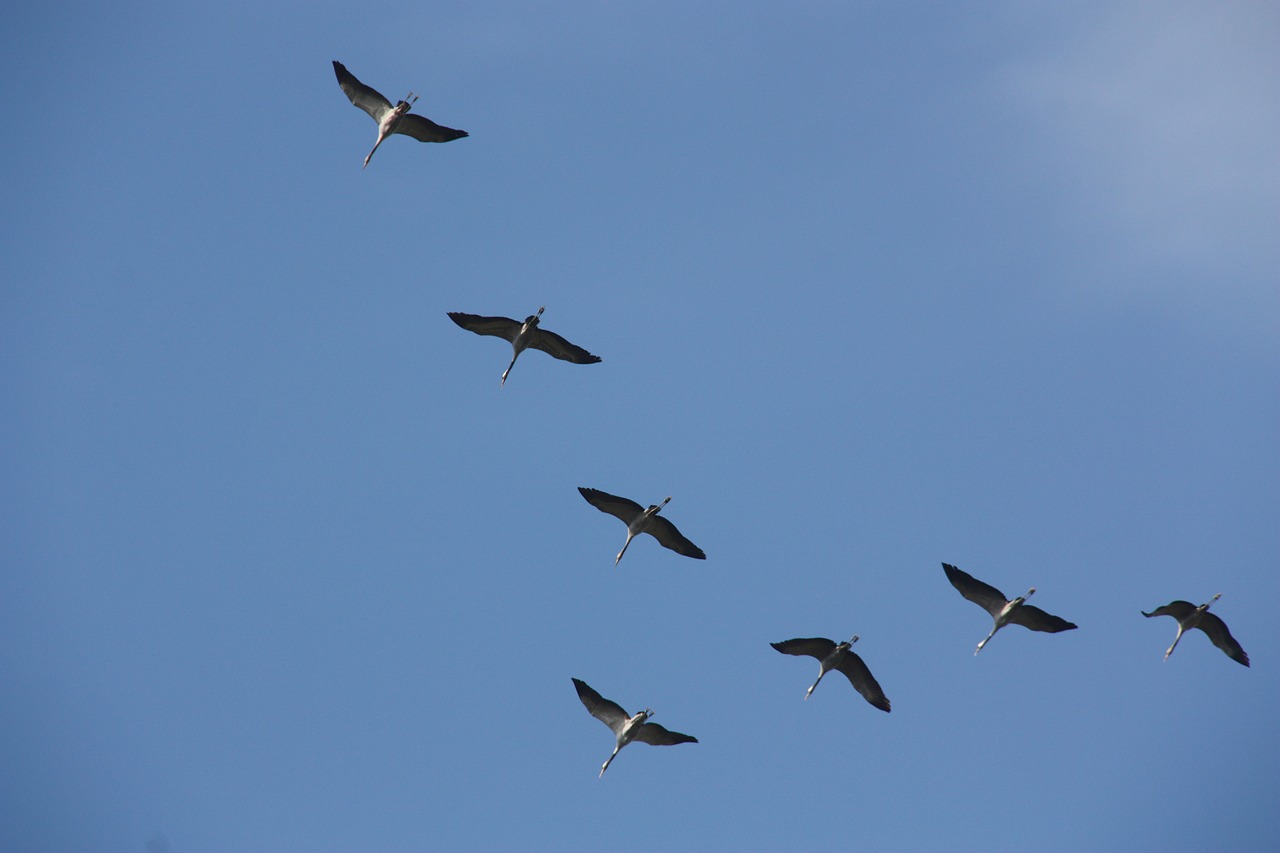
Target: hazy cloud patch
[[1163, 123]]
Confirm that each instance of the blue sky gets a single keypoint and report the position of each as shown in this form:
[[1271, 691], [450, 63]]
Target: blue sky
[[876, 286]]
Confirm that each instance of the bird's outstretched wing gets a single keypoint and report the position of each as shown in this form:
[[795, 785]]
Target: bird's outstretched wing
[[424, 129], [655, 735], [666, 533], [620, 508], [1029, 616], [366, 98], [499, 327], [1178, 609], [607, 712], [1221, 637], [984, 595], [862, 680], [550, 342], [814, 647]]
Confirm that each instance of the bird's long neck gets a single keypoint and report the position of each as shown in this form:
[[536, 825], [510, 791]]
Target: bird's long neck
[[625, 545], [375, 148], [609, 761], [508, 370], [1176, 638], [989, 636]]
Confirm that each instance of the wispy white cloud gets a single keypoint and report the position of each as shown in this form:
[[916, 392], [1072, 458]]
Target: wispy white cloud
[[1162, 123]]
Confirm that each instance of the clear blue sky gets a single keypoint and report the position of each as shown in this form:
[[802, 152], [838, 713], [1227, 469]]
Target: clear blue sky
[[876, 286]]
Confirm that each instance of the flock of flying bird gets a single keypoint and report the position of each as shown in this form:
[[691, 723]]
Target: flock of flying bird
[[629, 728]]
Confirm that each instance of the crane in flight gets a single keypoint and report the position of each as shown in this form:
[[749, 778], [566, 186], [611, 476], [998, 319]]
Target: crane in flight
[[832, 655], [640, 520], [626, 727], [1189, 616], [1002, 610], [391, 119], [522, 336]]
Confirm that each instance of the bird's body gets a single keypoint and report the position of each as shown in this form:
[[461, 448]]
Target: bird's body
[[832, 655], [391, 119], [1190, 616], [640, 520], [626, 727], [1002, 610], [523, 336]]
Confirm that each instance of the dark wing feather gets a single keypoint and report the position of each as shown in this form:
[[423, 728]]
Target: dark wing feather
[[984, 595], [655, 735], [1221, 637], [607, 712], [499, 327], [665, 532], [550, 342], [622, 508], [1178, 609], [814, 647], [862, 680], [1029, 616], [424, 129], [368, 99]]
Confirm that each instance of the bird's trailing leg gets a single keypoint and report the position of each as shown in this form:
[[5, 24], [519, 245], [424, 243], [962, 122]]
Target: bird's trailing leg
[[410, 99]]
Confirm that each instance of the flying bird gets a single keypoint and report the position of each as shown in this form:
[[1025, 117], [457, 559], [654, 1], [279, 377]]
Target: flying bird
[[833, 655], [626, 727], [522, 336], [1002, 609], [391, 119], [639, 520], [1189, 616]]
